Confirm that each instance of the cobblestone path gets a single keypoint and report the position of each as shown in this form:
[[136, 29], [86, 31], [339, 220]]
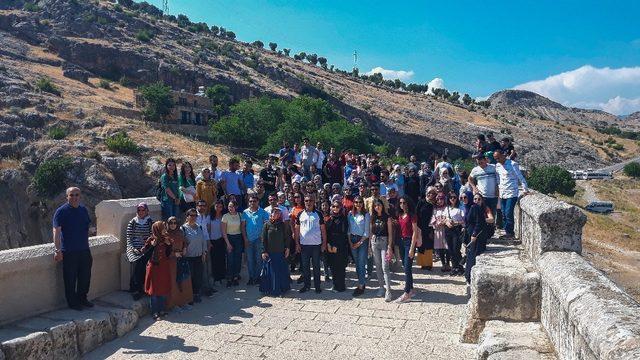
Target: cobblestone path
[[239, 323]]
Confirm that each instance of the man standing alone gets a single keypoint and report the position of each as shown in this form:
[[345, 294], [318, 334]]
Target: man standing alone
[[509, 177], [71, 239]]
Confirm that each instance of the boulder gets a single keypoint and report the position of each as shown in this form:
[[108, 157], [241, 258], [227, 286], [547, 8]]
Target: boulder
[[7, 133], [123, 320], [22, 344], [121, 299], [511, 339], [62, 333], [35, 120], [129, 173], [76, 74]]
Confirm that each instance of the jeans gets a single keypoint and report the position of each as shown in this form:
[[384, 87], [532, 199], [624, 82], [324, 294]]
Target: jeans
[[76, 273], [234, 258], [508, 205], [453, 245], [169, 209], [474, 249], [407, 262], [196, 267], [492, 203], [311, 255], [379, 245], [157, 303], [360, 256], [254, 258]]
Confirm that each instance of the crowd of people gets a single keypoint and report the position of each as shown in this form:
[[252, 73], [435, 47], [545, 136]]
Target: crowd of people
[[314, 211]]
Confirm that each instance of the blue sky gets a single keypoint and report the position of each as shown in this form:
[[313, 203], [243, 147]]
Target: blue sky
[[476, 47]]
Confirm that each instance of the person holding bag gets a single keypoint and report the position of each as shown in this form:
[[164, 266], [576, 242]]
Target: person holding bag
[[275, 279]]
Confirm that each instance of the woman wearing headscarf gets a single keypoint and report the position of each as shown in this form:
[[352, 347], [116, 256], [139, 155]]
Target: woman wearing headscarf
[[424, 212], [207, 189], [338, 245], [138, 231], [453, 232], [157, 282], [276, 237], [438, 223], [181, 290]]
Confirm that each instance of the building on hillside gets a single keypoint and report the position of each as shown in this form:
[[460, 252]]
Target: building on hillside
[[188, 109]]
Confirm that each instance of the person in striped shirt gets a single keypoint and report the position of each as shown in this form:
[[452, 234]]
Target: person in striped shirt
[[138, 231]]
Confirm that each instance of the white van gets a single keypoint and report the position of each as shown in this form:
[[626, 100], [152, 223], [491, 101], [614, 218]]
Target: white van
[[601, 207]]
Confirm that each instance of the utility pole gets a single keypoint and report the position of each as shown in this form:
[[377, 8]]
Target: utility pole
[[165, 7], [355, 60]]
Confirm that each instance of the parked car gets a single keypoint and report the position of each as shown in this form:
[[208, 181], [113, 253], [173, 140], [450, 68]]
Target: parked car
[[601, 207]]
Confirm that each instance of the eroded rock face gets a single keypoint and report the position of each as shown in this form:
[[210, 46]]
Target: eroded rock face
[[93, 327], [63, 335], [20, 344]]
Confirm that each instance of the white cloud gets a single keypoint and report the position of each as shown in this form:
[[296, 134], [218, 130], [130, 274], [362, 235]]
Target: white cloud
[[613, 90], [436, 83], [392, 74]]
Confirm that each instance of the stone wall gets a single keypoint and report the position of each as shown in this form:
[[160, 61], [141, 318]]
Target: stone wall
[[112, 217], [584, 313], [31, 281]]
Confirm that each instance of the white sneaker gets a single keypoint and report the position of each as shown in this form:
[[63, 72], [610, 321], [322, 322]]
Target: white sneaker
[[404, 298], [381, 292], [387, 296]]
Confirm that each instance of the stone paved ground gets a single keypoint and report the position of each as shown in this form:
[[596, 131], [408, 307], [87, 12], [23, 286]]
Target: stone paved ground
[[241, 324]]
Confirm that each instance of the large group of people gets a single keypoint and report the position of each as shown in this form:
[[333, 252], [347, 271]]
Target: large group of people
[[309, 209]]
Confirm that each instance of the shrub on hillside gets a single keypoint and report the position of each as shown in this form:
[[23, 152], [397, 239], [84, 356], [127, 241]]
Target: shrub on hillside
[[552, 179], [45, 84], [632, 169], [57, 133], [251, 123], [122, 143], [105, 84], [49, 177], [31, 7], [158, 101], [144, 35]]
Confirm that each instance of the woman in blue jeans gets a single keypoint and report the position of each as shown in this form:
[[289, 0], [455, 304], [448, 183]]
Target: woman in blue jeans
[[359, 230], [232, 233], [410, 238]]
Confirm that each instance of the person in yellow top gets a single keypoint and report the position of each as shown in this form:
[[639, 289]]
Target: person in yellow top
[[375, 194], [233, 234], [207, 189]]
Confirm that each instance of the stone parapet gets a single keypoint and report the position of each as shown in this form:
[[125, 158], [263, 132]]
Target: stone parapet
[[585, 314], [32, 282], [546, 224]]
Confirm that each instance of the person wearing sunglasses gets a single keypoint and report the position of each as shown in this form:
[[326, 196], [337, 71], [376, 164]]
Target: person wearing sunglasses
[[196, 253], [232, 233], [181, 288], [71, 239], [410, 239], [424, 212], [438, 223], [382, 247], [359, 230], [453, 233], [337, 227], [311, 239], [477, 225], [294, 257]]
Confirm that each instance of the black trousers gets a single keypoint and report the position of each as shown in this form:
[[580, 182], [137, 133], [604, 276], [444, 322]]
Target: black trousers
[[76, 272], [218, 259], [138, 272], [196, 267], [311, 256], [338, 263], [454, 244]]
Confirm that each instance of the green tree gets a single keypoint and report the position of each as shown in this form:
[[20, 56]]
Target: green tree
[[230, 35], [215, 30], [301, 56], [220, 96], [273, 46], [376, 78], [158, 101], [312, 58], [183, 21], [467, 100], [552, 179], [50, 175], [323, 62], [287, 52], [632, 169], [454, 97], [258, 44], [121, 143]]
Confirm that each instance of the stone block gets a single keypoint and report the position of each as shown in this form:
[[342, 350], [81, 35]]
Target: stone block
[[123, 300], [502, 288], [20, 344], [586, 315], [63, 335], [520, 354], [512, 338], [94, 328], [546, 224], [122, 320]]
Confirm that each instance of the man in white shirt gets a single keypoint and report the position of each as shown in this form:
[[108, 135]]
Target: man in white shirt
[[386, 183], [484, 180], [321, 157], [311, 240], [509, 176], [309, 155]]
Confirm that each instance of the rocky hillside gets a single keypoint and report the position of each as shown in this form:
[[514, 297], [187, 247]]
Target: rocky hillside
[[94, 54]]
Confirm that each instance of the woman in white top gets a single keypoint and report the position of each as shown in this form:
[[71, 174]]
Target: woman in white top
[[218, 245], [438, 223], [454, 232], [359, 232]]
